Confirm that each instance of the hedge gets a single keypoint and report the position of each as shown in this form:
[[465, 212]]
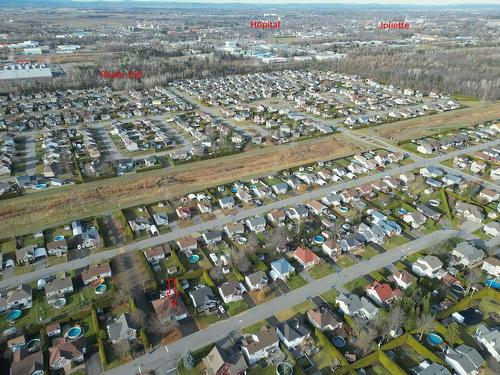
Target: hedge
[[149, 271], [95, 322], [102, 353], [446, 206], [144, 338], [132, 304], [467, 301], [238, 275], [182, 269], [208, 279], [389, 364]]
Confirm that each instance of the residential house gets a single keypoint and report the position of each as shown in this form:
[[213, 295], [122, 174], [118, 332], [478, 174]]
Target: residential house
[[292, 332], [259, 345], [53, 329], [489, 195], [416, 219], [231, 291], [466, 254], [492, 266], [257, 280], [489, 339], [352, 241], [492, 229], [429, 212], [403, 278], [464, 360], [428, 266], [183, 213], [96, 272], [89, 239], [351, 305], [332, 200], [478, 167], [277, 217], [256, 224], [25, 363], [281, 269], [243, 196], [187, 243], [469, 211], [224, 362], [58, 288], [26, 254], [121, 329], [66, 354], [316, 207], [426, 368], [226, 202], [324, 319], [280, 188], [57, 248], [166, 311], [306, 257], [212, 238], [139, 224], [234, 229], [155, 255], [331, 248], [18, 299], [382, 293], [203, 299]]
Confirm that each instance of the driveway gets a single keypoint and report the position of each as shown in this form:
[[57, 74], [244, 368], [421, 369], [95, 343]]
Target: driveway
[[248, 300], [188, 326], [93, 363], [307, 276], [377, 247]]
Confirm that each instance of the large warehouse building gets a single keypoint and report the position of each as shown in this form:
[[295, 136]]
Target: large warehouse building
[[25, 71]]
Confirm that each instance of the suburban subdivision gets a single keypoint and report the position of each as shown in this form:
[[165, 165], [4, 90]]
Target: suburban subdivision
[[219, 189]]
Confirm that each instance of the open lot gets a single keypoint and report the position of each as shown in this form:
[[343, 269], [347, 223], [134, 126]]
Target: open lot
[[474, 113], [71, 202]]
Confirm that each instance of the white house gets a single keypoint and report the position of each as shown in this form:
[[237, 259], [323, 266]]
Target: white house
[[427, 266], [492, 266], [259, 345], [292, 332], [464, 360], [231, 291], [492, 229], [489, 339], [257, 280], [466, 254]]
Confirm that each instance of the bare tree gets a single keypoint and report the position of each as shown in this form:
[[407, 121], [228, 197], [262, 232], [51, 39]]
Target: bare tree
[[365, 338], [138, 317], [472, 277], [156, 325], [216, 274], [425, 323], [121, 349], [395, 319], [241, 262]]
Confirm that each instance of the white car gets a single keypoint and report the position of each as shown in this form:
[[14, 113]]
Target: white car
[[221, 309]]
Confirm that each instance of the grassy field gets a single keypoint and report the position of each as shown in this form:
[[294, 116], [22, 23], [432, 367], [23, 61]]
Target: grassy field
[[53, 207], [321, 270], [475, 113], [294, 310]]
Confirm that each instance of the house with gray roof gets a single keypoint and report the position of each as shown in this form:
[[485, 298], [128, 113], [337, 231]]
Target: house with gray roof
[[489, 339], [464, 360], [466, 254], [281, 269], [426, 368], [257, 280], [256, 224], [204, 299], [224, 361], [58, 288], [121, 329], [352, 305], [292, 332]]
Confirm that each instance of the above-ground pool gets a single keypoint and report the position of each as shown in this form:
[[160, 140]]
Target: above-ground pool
[[100, 289], [74, 332], [33, 345], [234, 189], [60, 302], [184, 284], [59, 237], [402, 211], [253, 187], [284, 368], [13, 315], [434, 202], [457, 288], [319, 239], [194, 258], [40, 186], [343, 209], [242, 240], [434, 339], [339, 341], [492, 283]]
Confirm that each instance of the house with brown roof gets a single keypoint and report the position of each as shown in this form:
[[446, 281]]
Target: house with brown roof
[[96, 272], [316, 207], [277, 217], [156, 254], [183, 213], [25, 363], [403, 278], [258, 346], [57, 248], [66, 354], [306, 257], [231, 291], [224, 362], [324, 319], [53, 329], [187, 243], [168, 312], [331, 248]]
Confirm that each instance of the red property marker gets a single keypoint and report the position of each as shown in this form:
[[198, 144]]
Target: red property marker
[[172, 292]]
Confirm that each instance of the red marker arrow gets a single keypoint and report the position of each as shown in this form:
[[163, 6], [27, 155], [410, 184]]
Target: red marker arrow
[[172, 292]]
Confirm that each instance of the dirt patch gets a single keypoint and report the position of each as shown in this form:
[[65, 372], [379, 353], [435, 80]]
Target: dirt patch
[[58, 206], [475, 113]]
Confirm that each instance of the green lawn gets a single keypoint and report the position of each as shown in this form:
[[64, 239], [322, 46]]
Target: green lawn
[[368, 252], [321, 270], [356, 284], [395, 242], [344, 261], [254, 328], [377, 276], [257, 370], [203, 321], [301, 308], [296, 281], [330, 296], [234, 308]]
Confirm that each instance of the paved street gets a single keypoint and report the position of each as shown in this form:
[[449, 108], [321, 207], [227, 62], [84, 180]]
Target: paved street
[[243, 214], [165, 361]]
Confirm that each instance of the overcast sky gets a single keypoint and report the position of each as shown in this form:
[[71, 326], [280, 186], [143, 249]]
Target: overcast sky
[[413, 2]]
